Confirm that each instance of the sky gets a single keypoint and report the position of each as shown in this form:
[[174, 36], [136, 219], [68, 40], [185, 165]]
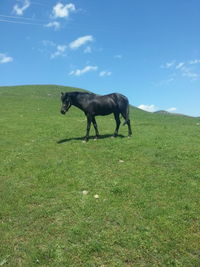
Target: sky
[[148, 50]]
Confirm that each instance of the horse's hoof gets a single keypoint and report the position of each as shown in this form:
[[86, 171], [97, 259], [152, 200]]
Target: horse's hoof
[[84, 141]]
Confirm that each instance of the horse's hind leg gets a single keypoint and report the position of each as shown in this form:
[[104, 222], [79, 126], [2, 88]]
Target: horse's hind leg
[[95, 127], [129, 128], [125, 115], [117, 119], [89, 120]]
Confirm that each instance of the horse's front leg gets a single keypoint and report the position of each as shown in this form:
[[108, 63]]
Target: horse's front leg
[[89, 120], [95, 127]]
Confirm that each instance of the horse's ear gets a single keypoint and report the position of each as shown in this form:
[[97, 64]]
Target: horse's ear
[[62, 93]]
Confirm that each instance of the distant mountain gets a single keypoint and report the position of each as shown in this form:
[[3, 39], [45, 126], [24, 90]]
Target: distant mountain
[[164, 112]]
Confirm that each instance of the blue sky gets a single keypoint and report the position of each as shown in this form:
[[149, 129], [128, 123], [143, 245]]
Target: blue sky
[[148, 50]]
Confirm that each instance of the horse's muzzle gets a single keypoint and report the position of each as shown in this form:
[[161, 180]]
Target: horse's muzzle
[[62, 112]]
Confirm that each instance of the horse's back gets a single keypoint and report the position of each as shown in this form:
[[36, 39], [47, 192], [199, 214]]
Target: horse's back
[[102, 104]]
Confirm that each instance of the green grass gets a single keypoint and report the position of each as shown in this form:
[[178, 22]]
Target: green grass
[[147, 213]]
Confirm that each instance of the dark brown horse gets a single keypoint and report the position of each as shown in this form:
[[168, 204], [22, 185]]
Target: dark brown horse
[[94, 105]]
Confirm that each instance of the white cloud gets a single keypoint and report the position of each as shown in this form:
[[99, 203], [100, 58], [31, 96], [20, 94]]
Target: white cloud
[[60, 51], [118, 56], [171, 109], [195, 61], [86, 69], [88, 50], [54, 24], [168, 65], [149, 108], [105, 73], [81, 41], [153, 108], [185, 69], [48, 43], [20, 10], [180, 65], [186, 72], [62, 11], [5, 59]]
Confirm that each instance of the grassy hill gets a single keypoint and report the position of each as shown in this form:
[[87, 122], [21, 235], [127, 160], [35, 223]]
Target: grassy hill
[[148, 186]]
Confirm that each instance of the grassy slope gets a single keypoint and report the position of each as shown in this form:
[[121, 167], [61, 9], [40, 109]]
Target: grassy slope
[[148, 208]]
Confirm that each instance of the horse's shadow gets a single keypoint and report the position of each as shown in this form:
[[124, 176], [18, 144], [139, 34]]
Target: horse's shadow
[[91, 137]]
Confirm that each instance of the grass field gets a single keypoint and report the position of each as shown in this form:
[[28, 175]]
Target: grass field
[[147, 212]]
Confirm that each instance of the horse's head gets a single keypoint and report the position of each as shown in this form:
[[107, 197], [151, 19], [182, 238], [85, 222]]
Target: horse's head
[[66, 103]]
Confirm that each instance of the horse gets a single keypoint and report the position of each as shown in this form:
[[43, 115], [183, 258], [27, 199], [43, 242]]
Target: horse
[[93, 105]]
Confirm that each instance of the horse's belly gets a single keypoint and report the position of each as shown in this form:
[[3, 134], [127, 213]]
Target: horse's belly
[[103, 112], [103, 109]]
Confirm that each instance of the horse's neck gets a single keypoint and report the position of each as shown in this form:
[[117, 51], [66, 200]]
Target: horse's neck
[[77, 101]]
